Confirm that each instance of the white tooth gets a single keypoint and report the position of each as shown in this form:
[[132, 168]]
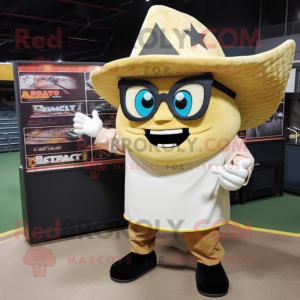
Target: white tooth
[[175, 131], [157, 132], [166, 145], [165, 132]]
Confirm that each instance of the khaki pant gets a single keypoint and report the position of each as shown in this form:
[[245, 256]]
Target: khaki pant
[[204, 245]]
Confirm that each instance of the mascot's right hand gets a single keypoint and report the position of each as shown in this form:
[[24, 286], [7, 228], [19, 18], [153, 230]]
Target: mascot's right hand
[[233, 177], [85, 125]]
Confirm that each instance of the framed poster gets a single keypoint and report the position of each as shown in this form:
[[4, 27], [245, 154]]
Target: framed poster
[[242, 134], [298, 81], [49, 96], [58, 86], [271, 128], [291, 85]]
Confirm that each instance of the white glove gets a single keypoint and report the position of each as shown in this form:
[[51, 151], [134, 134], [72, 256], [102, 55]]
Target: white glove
[[232, 177], [85, 125]]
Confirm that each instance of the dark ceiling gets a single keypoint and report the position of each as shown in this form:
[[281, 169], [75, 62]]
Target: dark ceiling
[[91, 30]]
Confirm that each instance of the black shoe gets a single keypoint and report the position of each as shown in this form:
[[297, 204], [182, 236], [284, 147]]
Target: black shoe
[[132, 266], [211, 281]]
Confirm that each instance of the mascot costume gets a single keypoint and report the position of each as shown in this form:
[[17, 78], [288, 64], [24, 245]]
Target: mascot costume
[[180, 105]]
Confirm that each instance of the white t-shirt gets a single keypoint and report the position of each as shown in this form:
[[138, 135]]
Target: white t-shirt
[[180, 197]]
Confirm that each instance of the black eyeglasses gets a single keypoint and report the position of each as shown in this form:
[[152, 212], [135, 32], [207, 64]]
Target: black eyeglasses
[[188, 99]]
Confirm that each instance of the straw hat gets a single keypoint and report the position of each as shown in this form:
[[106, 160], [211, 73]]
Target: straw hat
[[172, 43]]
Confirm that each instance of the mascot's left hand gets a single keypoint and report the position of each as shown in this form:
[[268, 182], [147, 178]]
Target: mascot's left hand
[[232, 177]]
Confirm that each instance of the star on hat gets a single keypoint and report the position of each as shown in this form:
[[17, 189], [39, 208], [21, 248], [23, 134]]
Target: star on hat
[[196, 38]]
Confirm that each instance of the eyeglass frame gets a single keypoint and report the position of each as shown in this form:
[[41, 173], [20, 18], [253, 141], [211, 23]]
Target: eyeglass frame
[[206, 80]]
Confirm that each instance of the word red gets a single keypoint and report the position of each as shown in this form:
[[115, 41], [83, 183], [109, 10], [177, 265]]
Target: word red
[[38, 42]]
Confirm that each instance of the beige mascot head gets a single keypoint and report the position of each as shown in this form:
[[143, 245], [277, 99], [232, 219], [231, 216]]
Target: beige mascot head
[[178, 88]]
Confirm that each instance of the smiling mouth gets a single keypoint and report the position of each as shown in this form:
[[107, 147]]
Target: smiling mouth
[[167, 138]]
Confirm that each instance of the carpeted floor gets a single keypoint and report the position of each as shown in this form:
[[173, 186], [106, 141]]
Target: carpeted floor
[[259, 266]]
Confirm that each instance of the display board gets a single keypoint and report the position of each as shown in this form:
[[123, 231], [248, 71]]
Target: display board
[[68, 185], [50, 96]]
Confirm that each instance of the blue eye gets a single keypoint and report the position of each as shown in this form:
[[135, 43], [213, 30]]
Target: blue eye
[[144, 103], [182, 103]]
